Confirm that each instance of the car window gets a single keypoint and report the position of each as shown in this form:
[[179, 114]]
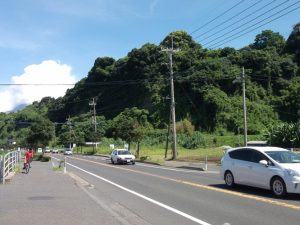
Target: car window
[[257, 156], [123, 152], [284, 156], [240, 154]]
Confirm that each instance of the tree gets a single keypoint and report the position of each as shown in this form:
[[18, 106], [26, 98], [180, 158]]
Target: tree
[[286, 135], [288, 103], [293, 43], [131, 125], [40, 132], [269, 39]]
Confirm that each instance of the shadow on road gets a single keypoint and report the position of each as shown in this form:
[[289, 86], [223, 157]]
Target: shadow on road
[[190, 168]]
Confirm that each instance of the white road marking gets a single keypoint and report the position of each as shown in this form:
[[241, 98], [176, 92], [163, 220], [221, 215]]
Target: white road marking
[[196, 220], [177, 170]]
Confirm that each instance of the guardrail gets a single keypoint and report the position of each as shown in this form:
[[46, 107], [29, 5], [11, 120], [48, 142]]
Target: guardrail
[[8, 164]]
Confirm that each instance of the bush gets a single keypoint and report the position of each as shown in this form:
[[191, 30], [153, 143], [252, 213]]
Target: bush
[[284, 135], [41, 158], [185, 127], [37, 157], [155, 138], [193, 141], [45, 159]]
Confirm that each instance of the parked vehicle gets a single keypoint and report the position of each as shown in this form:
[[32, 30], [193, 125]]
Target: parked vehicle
[[122, 156], [272, 168]]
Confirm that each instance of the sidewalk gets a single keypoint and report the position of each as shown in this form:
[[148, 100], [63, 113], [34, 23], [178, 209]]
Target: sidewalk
[[48, 197]]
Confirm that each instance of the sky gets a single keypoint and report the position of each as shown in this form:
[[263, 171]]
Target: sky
[[57, 41]]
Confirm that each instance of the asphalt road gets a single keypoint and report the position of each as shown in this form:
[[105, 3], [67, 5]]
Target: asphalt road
[[148, 194]]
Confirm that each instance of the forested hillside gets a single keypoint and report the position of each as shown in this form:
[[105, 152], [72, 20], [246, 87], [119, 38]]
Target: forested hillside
[[205, 93]]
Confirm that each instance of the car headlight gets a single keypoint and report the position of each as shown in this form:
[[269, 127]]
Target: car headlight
[[293, 173]]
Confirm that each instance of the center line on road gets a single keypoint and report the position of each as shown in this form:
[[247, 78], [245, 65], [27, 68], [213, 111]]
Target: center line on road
[[196, 220]]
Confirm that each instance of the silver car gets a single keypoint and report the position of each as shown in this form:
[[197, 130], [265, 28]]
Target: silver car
[[122, 156], [68, 151], [271, 168]]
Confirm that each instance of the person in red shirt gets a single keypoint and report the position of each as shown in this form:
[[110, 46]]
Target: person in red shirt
[[28, 157]]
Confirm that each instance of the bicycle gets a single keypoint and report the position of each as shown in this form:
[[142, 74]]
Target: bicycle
[[26, 167]]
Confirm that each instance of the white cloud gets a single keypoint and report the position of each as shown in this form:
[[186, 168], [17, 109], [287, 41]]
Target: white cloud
[[48, 72], [153, 6]]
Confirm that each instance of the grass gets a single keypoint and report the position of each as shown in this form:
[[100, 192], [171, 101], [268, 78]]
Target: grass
[[57, 168], [156, 154], [213, 150], [18, 168]]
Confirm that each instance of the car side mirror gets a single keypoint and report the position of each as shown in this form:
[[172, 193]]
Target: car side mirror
[[264, 162]]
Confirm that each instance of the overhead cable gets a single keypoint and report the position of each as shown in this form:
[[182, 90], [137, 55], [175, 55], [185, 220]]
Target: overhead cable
[[248, 22], [222, 14], [220, 24], [215, 45]]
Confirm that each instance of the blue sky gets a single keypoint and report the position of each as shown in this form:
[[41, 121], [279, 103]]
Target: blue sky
[[73, 33]]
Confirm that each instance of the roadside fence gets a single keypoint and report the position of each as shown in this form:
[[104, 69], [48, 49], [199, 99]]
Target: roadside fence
[[8, 163]]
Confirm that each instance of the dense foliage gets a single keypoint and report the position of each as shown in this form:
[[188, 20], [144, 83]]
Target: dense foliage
[[285, 135], [132, 93]]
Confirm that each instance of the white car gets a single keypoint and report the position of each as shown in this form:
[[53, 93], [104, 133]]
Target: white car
[[271, 168], [68, 151], [122, 156], [54, 150]]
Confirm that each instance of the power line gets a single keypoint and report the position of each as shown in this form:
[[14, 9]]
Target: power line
[[247, 22], [33, 84], [255, 28], [220, 24], [104, 83], [217, 17], [243, 18]]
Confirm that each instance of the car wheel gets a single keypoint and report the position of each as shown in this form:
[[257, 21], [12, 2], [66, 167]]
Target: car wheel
[[229, 179], [112, 161], [278, 187], [133, 162]]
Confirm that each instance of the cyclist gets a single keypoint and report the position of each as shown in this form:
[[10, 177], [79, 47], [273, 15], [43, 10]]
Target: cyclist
[[28, 156]]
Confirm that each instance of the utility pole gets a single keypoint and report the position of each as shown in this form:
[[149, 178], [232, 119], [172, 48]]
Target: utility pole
[[170, 52], [242, 79], [54, 134], [244, 106], [70, 130], [94, 120], [167, 141]]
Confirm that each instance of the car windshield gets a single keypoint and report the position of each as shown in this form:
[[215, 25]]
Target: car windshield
[[123, 153], [284, 156]]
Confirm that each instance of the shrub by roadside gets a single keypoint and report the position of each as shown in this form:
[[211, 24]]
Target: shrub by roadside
[[41, 158]]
